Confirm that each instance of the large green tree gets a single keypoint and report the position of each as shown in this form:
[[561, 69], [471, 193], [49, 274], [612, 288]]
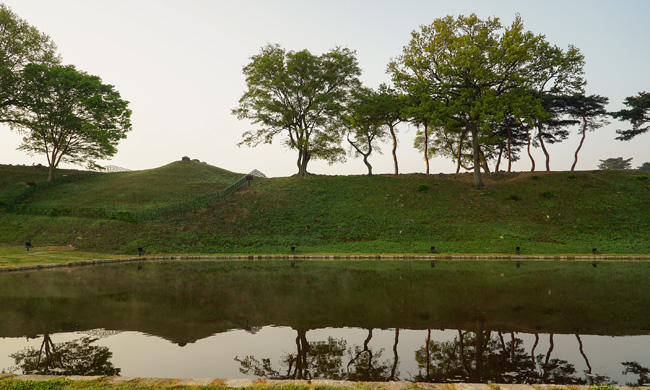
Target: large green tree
[[476, 72], [69, 115], [299, 96], [638, 114], [20, 44]]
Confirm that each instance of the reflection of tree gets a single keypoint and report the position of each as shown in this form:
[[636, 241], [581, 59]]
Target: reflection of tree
[[636, 369], [364, 364], [320, 359], [76, 357], [324, 359], [486, 356]]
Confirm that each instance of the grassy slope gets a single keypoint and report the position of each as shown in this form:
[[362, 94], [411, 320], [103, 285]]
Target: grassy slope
[[15, 178], [557, 212]]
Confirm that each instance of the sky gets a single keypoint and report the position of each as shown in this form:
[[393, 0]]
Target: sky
[[179, 64]]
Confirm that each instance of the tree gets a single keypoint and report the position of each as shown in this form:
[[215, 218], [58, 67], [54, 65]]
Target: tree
[[645, 167], [469, 67], [69, 115], [615, 163], [389, 109], [638, 115], [301, 96], [363, 121], [20, 44], [590, 110]]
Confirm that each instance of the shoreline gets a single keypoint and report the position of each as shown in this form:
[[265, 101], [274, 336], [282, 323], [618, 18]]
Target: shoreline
[[308, 384], [430, 257]]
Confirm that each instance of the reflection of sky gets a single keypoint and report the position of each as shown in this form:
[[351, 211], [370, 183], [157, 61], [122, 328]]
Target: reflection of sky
[[140, 355]]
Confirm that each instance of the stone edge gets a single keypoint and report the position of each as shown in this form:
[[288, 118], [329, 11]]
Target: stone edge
[[240, 383], [84, 263]]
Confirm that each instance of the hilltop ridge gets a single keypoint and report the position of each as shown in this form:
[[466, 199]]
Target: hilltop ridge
[[540, 212]]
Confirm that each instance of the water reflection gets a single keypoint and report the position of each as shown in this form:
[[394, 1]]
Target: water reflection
[[336, 320], [76, 357], [478, 357]]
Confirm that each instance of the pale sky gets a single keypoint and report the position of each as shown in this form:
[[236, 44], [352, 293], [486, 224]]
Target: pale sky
[[179, 64]]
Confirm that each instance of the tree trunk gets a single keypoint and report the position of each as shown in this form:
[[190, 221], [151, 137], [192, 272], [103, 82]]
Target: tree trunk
[[303, 159], [365, 161], [509, 149], [532, 160], [426, 145], [460, 152], [582, 140], [548, 157], [478, 182], [50, 174], [392, 133], [496, 168]]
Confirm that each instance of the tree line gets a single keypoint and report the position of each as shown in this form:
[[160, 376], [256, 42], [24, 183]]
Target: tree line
[[61, 112], [477, 91]]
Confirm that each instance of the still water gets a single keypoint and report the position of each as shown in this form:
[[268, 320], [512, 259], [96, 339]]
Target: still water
[[403, 321]]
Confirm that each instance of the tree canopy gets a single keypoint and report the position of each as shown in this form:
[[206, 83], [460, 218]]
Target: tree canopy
[[69, 115], [472, 73], [301, 96], [638, 114], [20, 44], [615, 163]]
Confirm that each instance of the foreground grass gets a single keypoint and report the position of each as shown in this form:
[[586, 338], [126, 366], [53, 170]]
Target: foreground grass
[[63, 384], [17, 256], [542, 213]]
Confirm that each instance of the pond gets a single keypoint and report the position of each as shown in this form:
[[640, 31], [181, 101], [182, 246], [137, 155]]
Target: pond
[[448, 321]]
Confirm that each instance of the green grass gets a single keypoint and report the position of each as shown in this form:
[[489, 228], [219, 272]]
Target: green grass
[[543, 213], [17, 256], [140, 190]]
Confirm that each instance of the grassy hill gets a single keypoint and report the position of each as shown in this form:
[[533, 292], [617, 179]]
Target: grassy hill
[[550, 213]]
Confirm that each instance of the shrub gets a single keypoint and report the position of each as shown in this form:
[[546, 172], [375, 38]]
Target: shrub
[[571, 176], [548, 194], [423, 187], [514, 197], [535, 177]]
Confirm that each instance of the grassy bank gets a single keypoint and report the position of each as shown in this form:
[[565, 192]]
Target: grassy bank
[[542, 213]]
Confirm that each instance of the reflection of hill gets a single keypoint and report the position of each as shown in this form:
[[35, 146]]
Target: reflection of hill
[[184, 302]]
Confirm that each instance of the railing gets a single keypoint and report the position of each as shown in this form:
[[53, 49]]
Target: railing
[[128, 216]]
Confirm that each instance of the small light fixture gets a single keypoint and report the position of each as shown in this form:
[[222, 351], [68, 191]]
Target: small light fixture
[[433, 249], [594, 251], [518, 250], [518, 264], [140, 251], [28, 245], [139, 267], [293, 249], [594, 264], [433, 264], [293, 264]]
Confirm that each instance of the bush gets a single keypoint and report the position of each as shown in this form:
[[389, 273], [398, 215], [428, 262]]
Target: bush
[[423, 187], [548, 194], [535, 177], [514, 197]]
